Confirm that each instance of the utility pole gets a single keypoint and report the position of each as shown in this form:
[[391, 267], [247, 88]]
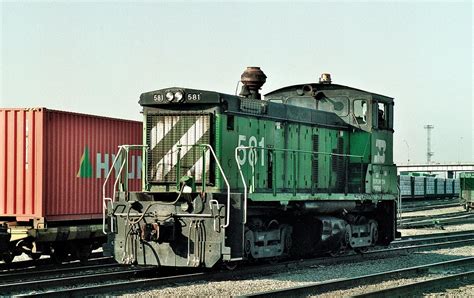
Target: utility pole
[[429, 153], [408, 152]]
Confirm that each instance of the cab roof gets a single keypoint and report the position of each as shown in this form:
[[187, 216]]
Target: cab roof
[[322, 87]]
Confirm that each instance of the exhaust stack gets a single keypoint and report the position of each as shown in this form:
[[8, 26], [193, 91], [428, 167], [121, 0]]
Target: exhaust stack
[[252, 79]]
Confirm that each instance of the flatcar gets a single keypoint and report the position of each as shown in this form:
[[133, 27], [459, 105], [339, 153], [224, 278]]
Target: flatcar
[[416, 186], [467, 189], [52, 168], [306, 170]]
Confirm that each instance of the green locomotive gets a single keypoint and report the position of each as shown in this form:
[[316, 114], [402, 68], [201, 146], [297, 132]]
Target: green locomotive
[[306, 170], [466, 182]]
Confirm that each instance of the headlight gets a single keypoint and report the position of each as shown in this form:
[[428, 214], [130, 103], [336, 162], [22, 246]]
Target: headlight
[[169, 96], [179, 96]]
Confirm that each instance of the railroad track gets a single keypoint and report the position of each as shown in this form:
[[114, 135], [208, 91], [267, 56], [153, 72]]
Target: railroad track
[[96, 257], [134, 278], [317, 288], [429, 206], [32, 274], [423, 286], [431, 216], [436, 238], [437, 221], [34, 287]]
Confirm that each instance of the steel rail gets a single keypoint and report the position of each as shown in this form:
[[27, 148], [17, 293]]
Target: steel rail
[[118, 286], [429, 207], [433, 238], [42, 274], [348, 283], [21, 265], [430, 201], [431, 216], [256, 270], [416, 287], [68, 280], [423, 236], [438, 221]]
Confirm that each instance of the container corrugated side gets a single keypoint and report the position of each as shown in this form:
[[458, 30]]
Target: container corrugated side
[[70, 156], [21, 163]]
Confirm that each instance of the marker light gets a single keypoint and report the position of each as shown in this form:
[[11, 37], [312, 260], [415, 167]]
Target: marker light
[[179, 96], [169, 96]]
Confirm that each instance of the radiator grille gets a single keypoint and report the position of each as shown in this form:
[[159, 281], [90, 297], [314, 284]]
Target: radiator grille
[[164, 133], [253, 106]]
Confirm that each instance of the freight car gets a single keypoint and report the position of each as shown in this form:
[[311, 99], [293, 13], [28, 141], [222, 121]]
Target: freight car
[[52, 168], [467, 189], [427, 186], [304, 171]]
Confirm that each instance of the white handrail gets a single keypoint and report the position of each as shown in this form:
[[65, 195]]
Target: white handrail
[[104, 198], [237, 149], [223, 176], [122, 148]]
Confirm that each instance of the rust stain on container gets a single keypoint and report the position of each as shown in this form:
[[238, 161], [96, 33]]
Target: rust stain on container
[[53, 164]]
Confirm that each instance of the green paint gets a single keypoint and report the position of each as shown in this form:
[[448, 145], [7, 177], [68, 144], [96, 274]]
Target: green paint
[[285, 165], [85, 168]]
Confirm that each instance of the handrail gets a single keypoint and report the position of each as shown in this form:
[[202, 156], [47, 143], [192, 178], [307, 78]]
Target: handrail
[[255, 148], [237, 149], [124, 164], [104, 198], [223, 176]]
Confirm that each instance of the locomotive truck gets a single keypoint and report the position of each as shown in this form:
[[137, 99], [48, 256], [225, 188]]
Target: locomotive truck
[[306, 170]]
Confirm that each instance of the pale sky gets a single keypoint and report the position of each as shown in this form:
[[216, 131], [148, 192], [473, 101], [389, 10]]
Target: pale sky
[[98, 57]]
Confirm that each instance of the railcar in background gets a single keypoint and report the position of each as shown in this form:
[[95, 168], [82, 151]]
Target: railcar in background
[[467, 189], [417, 186], [52, 168], [306, 170]]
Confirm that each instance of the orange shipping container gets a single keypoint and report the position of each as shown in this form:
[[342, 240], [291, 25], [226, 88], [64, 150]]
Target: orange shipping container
[[53, 164]]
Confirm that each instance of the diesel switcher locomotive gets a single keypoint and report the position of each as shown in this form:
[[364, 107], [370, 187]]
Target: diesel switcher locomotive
[[306, 170]]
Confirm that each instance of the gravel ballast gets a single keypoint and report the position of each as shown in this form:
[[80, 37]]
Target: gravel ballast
[[310, 274], [326, 273]]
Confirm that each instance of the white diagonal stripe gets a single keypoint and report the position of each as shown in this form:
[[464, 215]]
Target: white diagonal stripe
[[196, 169], [161, 129], [194, 133]]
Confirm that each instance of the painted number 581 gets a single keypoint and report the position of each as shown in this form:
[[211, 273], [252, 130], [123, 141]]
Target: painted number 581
[[252, 142]]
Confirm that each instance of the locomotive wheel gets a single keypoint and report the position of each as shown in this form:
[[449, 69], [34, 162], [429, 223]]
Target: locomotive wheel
[[375, 232], [248, 243], [7, 257], [34, 256], [335, 253], [273, 260], [230, 265], [59, 254], [288, 243], [361, 250], [339, 250], [83, 252]]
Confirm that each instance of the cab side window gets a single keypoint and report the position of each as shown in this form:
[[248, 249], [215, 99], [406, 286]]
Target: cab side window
[[383, 114], [360, 111]]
